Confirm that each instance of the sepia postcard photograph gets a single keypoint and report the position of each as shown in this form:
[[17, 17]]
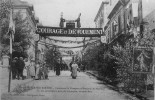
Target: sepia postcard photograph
[[77, 49]]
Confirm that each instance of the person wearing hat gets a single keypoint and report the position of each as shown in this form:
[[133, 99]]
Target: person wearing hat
[[57, 68], [14, 68], [20, 68]]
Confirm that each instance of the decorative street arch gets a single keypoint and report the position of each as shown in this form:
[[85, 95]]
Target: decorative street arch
[[69, 32]]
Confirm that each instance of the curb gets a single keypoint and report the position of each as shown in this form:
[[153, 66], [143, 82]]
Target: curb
[[132, 96]]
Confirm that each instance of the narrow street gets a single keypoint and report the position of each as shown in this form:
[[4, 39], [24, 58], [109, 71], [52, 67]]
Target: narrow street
[[63, 87], [112, 40]]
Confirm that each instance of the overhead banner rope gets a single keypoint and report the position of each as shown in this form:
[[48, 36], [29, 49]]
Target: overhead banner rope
[[69, 41], [51, 45]]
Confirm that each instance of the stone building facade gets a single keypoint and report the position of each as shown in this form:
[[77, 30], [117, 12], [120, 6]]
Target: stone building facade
[[150, 19], [28, 12], [119, 18]]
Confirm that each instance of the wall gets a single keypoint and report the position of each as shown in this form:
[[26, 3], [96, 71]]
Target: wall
[[150, 18]]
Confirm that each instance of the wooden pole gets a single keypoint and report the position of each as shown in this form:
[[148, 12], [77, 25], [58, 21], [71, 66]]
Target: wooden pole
[[153, 69], [9, 85]]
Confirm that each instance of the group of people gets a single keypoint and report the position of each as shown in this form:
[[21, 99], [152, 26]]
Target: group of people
[[17, 68], [41, 71], [73, 68], [22, 69]]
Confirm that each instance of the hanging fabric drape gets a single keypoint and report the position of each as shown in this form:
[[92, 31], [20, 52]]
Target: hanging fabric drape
[[51, 45], [68, 41]]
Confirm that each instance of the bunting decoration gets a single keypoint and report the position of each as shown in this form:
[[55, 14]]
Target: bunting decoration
[[69, 41], [70, 52], [95, 43], [51, 45]]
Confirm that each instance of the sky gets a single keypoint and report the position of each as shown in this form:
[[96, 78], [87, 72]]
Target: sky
[[49, 11]]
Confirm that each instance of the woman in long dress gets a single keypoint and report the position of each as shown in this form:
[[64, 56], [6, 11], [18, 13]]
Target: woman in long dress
[[32, 69], [37, 71], [74, 70], [45, 70], [27, 65]]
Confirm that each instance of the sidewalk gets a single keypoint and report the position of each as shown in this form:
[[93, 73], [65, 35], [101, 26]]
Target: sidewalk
[[14, 83], [149, 95]]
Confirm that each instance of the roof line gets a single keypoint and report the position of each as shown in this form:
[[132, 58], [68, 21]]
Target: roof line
[[101, 6]]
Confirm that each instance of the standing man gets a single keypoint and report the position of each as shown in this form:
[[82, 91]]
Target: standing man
[[58, 68], [14, 68], [20, 68], [82, 67], [70, 65]]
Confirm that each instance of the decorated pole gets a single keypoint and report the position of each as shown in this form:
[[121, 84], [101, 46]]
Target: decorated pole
[[11, 32]]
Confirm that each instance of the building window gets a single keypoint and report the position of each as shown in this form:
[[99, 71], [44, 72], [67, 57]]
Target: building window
[[122, 19], [109, 35], [114, 28], [119, 23]]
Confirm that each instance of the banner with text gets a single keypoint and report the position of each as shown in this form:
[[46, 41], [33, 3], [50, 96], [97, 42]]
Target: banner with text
[[75, 32]]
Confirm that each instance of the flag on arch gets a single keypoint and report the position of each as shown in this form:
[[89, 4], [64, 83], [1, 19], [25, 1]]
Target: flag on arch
[[11, 25]]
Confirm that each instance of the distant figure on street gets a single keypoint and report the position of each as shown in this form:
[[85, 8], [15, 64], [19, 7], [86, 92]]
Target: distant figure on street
[[65, 66], [14, 68], [82, 67], [70, 65], [74, 70], [32, 69], [45, 71], [20, 68], [41, 72], [57, 68]]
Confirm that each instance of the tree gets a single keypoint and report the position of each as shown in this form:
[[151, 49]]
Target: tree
[[4, 16], [97, 60], [51, 57], [124, 58], [22, 31]]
